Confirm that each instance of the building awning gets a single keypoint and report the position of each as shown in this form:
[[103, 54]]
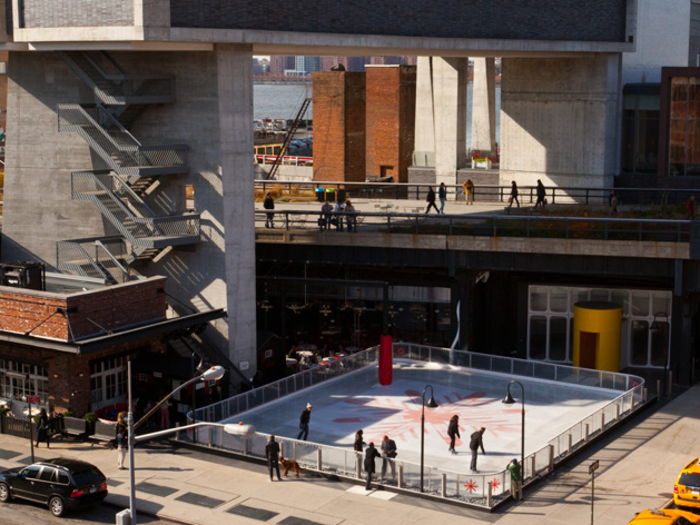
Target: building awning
[[101, 342]]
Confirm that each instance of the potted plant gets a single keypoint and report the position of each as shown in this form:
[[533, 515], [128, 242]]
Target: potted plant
[[90, 417]]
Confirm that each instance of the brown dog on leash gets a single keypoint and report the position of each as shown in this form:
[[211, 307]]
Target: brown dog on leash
[[290, 464]]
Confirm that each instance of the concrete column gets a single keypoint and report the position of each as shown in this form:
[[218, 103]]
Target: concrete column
[[559, 120], [484, 106], [450, 110], [424, 152], [235, 108]]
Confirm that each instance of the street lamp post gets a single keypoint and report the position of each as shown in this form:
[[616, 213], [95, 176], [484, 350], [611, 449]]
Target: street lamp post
[[508, 400], [212, 374], [431, 404]]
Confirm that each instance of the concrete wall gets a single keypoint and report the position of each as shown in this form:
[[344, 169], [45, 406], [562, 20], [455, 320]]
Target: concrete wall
[[339, 126], [391, 102], [663, 32], [213, 119], [694, 37], [593, 20], [559, 121]]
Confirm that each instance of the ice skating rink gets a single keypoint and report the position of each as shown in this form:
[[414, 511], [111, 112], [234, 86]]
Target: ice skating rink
[[357, 401]]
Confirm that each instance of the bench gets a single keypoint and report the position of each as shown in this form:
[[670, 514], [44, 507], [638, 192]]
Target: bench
[[104, 432], [74, 426]]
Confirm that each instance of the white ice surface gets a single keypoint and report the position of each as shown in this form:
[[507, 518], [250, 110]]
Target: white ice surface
[[357, 401]]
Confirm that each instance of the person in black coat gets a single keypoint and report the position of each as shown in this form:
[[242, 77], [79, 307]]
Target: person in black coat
[[43, 429], [430, 199], [359, 441], [370, 454], [477, 440], [541, 192], [304, 419], [269, 204], [272, 453], [453, 432]]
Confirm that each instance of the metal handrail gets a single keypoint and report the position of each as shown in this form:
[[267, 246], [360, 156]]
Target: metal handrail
[[479, 225]]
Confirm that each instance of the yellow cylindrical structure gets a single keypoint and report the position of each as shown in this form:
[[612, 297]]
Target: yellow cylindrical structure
[[597, 332]]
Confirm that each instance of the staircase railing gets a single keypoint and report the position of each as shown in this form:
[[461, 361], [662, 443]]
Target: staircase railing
[[119, 89], [93, 257], [288, 138], [115, 145]]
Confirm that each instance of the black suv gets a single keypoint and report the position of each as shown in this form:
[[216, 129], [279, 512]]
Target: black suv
[[61, 483]]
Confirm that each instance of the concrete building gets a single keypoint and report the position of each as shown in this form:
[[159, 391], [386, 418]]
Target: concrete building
[[189, 123]]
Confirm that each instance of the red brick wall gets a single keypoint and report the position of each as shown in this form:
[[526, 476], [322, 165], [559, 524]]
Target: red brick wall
[[391, 96], [69, 374], [339, 126], [113, 307]]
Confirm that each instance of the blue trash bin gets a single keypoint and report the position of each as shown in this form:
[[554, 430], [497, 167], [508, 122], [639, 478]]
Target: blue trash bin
[[320, 194]]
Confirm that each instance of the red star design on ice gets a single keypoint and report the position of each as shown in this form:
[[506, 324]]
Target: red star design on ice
[[496, 483], [471, 486], [401, 419]]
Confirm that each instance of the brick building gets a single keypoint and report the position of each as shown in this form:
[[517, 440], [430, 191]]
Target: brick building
[[69, 343], [339, 125], [391, 113]]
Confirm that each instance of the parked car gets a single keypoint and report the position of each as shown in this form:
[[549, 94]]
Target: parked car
[[686, 491], [664, 517], [62, 484]]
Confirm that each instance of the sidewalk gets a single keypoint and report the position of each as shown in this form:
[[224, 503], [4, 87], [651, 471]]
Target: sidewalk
[[638, 467]]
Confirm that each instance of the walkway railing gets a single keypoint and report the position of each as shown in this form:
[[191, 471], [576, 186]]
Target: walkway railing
[[479, 490], [479, 225], [491, 193]]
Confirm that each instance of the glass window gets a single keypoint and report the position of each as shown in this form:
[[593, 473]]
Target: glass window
[[620, 298], [600, 294], [538, 337], [538, 298], [640, 343], [557, 338], [659, 344], [661, 304], [577, 295], [47, 474], [31, 472], [640, 304], [558, 299], [63, 477]]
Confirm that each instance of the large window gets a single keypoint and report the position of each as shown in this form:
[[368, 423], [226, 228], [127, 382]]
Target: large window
[[646, 318], [684, 147], [640, 128], [19, 380], [108, 381]]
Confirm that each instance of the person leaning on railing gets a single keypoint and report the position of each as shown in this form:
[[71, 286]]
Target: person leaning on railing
[[351, 217]]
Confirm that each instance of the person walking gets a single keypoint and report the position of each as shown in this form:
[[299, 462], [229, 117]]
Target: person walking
[[304, 419], [468, 191], [122, 447], [513, 195], [516, 479], [43, 433], [541, 192], [350, 216], [370, 454], [388, 448], [430, 199], [442, 195], [691, 208], [453, 432], [272, 454], [613, 200], [477, 440], [359, 442], [269, 204]]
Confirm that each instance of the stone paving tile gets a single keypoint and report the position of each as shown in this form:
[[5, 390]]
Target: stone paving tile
[[8, 454], [156, 490], [252, 512], [199, 499], [114, 483]]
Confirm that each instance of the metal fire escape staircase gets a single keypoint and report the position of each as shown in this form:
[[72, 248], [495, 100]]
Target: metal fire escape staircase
[[130, 169], [288, 138]]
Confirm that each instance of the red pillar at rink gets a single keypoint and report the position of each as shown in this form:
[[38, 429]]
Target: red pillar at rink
[[386, 363]]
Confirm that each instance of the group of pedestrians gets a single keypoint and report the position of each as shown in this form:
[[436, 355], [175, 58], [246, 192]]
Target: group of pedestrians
[[388, 453], [340, 216]]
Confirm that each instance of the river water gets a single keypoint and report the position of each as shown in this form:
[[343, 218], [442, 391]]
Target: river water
[[284, 100]]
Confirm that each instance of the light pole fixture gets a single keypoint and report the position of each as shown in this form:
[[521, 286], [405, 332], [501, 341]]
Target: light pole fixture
[[431, 404], [212, 374], [508, 400]]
